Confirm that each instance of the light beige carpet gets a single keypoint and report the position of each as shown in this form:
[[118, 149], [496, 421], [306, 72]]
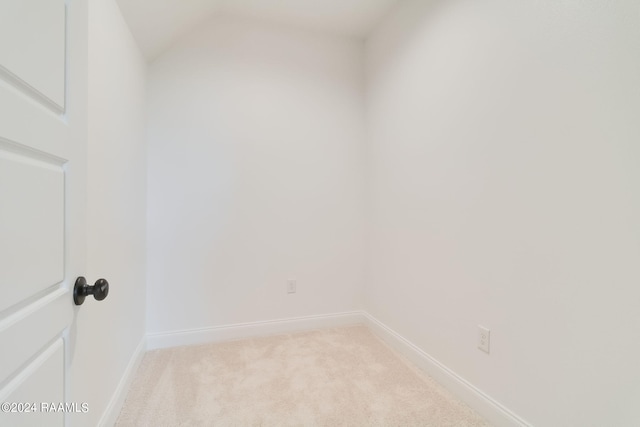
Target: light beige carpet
[[334, 377]]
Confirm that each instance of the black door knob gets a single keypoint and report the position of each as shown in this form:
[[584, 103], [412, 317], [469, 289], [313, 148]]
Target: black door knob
[[99, 291]]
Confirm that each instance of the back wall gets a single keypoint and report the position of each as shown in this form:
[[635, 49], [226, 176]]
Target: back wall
[[256, 176]]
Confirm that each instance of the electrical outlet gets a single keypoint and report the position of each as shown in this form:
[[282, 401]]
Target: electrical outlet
[[484, 336], [291, 286]]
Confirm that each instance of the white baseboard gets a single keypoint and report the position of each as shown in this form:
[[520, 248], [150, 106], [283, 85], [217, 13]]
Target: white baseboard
[[253, 329], [110, 415], [487, 407]]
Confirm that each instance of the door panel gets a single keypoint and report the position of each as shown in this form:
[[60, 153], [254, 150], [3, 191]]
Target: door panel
[[31, 224], [32, 47], [31, 327], [40, 384], [42, 201]]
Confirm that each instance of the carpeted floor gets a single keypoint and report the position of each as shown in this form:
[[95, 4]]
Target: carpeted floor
[[334, 377]]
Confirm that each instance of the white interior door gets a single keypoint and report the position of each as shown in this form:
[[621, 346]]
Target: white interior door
[[42, 204]]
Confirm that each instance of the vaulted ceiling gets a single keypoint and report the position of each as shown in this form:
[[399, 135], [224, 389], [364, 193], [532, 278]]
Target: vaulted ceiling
[[156, 24]]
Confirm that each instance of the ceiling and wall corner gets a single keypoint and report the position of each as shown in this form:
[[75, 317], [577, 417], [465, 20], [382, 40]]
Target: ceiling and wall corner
[[157, 24]]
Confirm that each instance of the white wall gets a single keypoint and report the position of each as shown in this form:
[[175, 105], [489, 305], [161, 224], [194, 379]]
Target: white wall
[[505, 144], [116, 211], [256, 169]]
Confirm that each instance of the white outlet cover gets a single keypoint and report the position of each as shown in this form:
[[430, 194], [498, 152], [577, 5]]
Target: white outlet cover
[[484, 338], [291, 286]]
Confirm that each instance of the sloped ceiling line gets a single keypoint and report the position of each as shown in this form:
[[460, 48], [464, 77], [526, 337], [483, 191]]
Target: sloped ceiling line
[[157, 24]]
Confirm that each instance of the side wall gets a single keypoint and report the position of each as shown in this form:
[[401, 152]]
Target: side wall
[[116, 212], [256, 166], [505, 144]]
